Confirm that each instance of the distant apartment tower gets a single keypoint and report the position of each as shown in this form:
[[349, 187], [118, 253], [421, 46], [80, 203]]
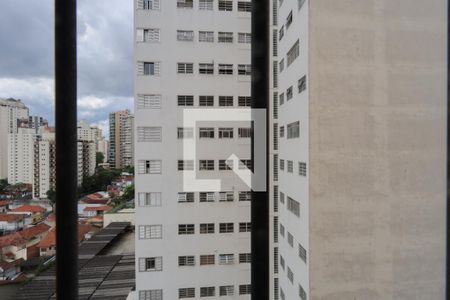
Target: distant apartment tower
[[93, 134], [44, 164], [358, 149], [121, 139], [86, 159], [10, 111], [21, 155], [192, 57]]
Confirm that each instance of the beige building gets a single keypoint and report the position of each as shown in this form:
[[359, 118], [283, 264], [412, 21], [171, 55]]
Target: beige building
[[21, 155], [121, 139], [361, 161], [44, 164]]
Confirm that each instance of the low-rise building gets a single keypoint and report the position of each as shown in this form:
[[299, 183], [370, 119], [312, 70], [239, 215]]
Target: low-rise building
[[47, 246], [96, 210], [12, 222], [35, 213]]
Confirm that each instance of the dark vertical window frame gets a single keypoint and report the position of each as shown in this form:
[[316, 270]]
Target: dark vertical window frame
[[260, 206], [447, 286], [66, 150]]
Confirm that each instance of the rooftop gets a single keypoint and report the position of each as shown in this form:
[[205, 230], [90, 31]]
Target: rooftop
[[11, 217], [29, 208]]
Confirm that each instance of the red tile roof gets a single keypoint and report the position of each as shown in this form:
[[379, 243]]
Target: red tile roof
[[12, 239], [29, 208], [94, 201], [34, 231], [11, 217], [4, 203], [51, 217], [98, 208], [50, 239]]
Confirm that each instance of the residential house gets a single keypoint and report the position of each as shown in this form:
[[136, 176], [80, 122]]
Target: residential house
[[11, 222], [4, 205], [9, 270], [36, 212], [47, 247]]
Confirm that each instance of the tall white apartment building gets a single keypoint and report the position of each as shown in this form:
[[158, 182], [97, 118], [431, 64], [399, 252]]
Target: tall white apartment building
[[10, 111], [361, 138], [44, 164], [192, 58], [21, 155], [86, 151], [121, 139]]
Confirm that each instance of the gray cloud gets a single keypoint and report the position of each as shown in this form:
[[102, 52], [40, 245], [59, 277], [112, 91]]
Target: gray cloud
[[105, 65]]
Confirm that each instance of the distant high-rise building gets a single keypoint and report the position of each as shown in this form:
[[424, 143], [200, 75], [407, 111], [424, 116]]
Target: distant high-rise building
[[121, 139], [44, 163], [86, 132], [11, 110], [21, 155], [86, 159]]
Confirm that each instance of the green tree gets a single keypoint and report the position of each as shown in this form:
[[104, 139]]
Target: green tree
[[51, 196], [99, 158], [3, 184], [128, 193]]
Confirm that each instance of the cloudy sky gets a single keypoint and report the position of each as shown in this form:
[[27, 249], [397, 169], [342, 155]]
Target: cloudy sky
[[105, 49]]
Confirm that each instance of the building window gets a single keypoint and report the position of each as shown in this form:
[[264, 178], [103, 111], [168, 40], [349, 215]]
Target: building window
[[186, 229], [185, 132], [149, 134], [245, 132], [244, 38], [206, 68], [275, 284], [225, 5], [275, 260], [290, 275], [226, 69], [226, 259], [150, 295], [206, 228], [206, 133], [186, 261], [150, 35], [290, 166], [149, 199], [147, 232], [207, 260], [274, 13], [205, 5], [148, 101], [185, 165], [281, 98], [275, 74], [275, 136], [225, 37], [206, 165], [301, 291], [148, 4], [302, 252], [186, 293], [282, 164], [244, 69], [281, 131], [302, 169], [245, 227], [275, 167], [209, 291], [275, 229], [149, 167], [281, 197], [148, 68], [290, 239], [226, 227], [275, 42], [185, 68], [281, 64], [184, 197], [289, 20], [185, 100], [289, 93], [206, 36], [185, 4], [226, 290], [245, 258], [275, 198], [207, 197], [226, 101], [302, 84], [245, 164], [245, 289], [245, 101], [245, 6], [226, 196], [245, 196], [282, 296], [149, 264], [206, 100], [293, 53], [225, 165], [293, 130]]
